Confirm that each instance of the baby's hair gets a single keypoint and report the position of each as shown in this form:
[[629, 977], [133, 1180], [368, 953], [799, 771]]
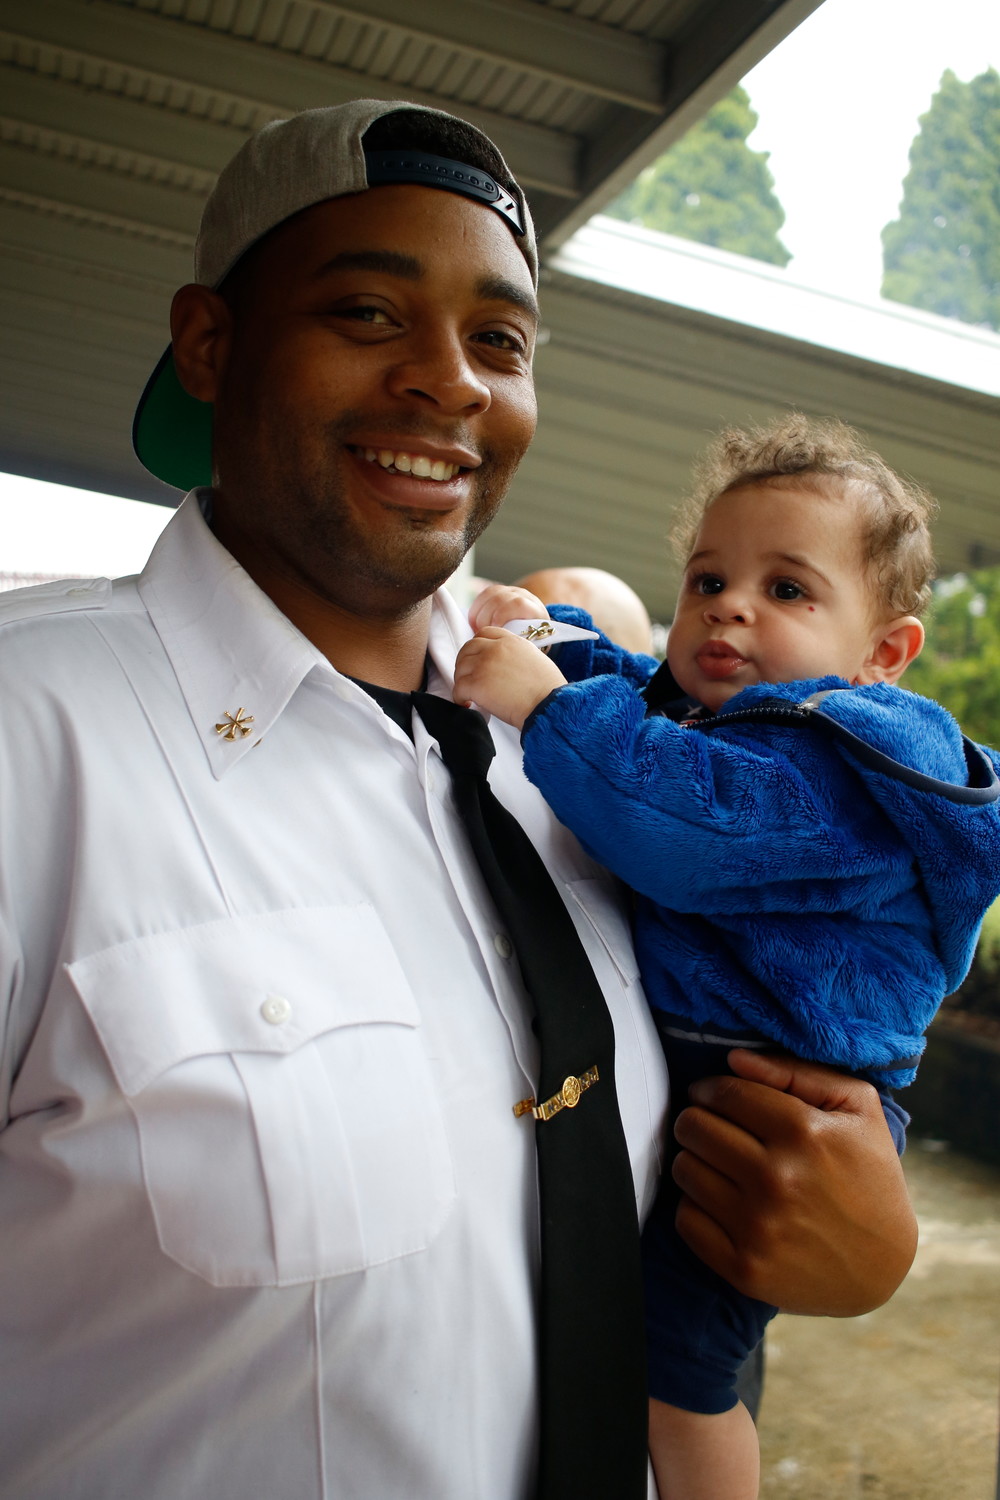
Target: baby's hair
[[895, 512]]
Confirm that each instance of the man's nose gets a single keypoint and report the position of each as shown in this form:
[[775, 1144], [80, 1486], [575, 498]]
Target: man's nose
[[438, 370]]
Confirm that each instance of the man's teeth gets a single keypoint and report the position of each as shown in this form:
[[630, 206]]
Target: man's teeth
[[412, 463]]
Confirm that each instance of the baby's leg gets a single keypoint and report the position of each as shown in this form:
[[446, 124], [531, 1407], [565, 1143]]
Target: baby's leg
[[704, 1457], [700, 1331]]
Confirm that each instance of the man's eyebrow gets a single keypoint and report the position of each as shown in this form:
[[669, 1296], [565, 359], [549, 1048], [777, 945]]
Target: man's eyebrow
[[499, 289], [385, 262], [407, 267]]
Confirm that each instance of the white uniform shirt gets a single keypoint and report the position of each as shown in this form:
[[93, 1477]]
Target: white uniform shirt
[[269, 1225]]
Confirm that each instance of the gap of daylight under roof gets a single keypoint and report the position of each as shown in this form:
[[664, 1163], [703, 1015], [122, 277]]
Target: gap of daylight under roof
[[685, 274]]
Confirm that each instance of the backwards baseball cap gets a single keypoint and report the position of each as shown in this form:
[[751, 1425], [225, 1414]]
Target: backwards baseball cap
[[287, 166]]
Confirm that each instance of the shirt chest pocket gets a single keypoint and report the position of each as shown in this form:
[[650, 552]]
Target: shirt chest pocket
[[285, 1106]]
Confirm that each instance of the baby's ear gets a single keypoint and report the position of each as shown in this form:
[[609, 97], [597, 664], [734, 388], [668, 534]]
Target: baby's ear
[[893, 647]]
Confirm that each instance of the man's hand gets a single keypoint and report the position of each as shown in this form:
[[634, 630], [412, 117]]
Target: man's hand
[[499, 603], [504, 674], [792, 1187]]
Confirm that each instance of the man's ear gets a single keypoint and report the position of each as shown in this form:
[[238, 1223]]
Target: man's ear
[[893, 647], [200, 328]]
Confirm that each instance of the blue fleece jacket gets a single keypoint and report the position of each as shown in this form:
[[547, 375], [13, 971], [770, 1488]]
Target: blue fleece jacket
[[780, 885]]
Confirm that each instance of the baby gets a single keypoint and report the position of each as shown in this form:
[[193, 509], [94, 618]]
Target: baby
[[811, 848]]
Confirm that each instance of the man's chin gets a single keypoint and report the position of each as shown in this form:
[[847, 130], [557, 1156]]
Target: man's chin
[[392, 581], [382, 563], [423, 561]]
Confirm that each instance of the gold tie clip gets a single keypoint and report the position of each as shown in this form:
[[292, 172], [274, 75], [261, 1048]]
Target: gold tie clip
[[568, 1097]]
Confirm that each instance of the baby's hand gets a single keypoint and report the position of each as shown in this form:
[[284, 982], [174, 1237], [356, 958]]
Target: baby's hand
[[501, 602], [504, 674]]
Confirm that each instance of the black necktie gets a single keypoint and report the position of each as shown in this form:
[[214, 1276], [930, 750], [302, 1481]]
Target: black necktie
[[593, 1416]]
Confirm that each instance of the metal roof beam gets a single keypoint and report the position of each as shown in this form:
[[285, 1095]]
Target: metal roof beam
[[561, 48], [263, 79], [126, 124], [51, 184], [90, 253]]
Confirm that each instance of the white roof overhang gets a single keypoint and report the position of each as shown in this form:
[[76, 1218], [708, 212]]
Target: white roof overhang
[[631, 386]]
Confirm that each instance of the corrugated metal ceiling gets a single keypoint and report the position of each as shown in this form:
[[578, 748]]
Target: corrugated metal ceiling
[[116, 115]]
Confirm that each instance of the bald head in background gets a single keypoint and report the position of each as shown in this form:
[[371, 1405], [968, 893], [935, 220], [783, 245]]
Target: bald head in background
[[614, 607]]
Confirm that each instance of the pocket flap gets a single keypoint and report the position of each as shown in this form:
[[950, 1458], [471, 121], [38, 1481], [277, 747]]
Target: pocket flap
[[243, 984]]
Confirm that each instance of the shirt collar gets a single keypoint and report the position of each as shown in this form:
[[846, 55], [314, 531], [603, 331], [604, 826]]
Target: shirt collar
[[232, 649]]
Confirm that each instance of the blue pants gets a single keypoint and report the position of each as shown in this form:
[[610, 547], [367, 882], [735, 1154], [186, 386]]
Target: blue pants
[[699, 1329]]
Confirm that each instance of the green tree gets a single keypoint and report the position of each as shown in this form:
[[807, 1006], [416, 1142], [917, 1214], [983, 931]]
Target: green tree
[[960, 664], [960, 667], [711, 187], [943, 252]]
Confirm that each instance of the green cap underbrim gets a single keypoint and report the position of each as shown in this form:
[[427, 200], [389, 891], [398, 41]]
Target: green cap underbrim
[[172, 432]]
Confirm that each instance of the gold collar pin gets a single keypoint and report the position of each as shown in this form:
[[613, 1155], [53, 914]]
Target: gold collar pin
[[234, 724]]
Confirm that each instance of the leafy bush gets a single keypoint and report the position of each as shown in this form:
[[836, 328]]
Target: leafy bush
[[960, 667]]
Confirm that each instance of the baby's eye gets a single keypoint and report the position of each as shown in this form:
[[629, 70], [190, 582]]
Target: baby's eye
[[707, 583], [786, 589]]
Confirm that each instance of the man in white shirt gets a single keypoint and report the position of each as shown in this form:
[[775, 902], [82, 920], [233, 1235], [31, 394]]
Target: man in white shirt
[[269, 1222]]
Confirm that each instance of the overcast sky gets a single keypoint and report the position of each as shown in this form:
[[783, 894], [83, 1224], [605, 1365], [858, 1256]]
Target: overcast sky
[[839, 104], [49, 528]]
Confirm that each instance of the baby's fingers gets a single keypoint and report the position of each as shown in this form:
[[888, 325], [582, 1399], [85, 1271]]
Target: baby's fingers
[[500, 602]]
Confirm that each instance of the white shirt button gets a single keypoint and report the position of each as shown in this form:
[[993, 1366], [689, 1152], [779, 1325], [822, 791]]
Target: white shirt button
[[276, 1009], [503, 945]]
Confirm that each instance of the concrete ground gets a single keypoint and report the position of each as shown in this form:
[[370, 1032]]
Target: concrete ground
[[903, 1404]]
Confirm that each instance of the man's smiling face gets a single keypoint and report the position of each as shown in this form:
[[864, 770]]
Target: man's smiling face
[[375, 395]]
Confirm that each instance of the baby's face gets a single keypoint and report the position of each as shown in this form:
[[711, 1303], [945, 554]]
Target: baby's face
[[774, 591]]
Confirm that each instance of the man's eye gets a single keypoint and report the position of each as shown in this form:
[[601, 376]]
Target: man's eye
[[786, 589], [707, 583], [499, 338], [376, 315]]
